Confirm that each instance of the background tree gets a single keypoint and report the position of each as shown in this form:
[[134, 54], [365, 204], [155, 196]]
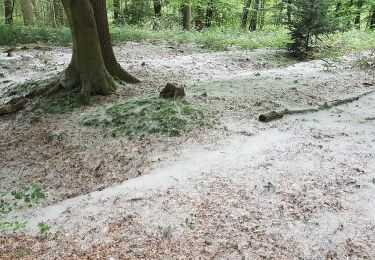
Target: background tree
[[254, 16], [58, 13], [209, 13], [372, 18], [8, 11], [245, 13], [157, 11], [310, 20], [117, 11], [27, 12], [186, 16]]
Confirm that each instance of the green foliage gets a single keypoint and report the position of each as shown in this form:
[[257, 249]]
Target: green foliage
[[13, 35], [167, 231], [25, 197], [190, 223], [310, 21], [44, 229], [216, 38], [147, 116], [14, 226], [335, 45], [136, 12]]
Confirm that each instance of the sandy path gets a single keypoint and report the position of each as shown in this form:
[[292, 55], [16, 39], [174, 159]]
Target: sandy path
[[301, 187], [304, 190]]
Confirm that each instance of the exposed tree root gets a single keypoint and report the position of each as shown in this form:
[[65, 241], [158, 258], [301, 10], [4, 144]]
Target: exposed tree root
[[14, 105], [19, 95], [31, 89], [100, 83], [119, 73], [273, 115]]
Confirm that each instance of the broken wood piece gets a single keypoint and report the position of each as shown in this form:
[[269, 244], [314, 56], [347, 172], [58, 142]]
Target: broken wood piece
[[273, 115]]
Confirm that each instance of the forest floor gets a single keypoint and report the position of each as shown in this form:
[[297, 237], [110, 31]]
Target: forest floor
[[300, 187]]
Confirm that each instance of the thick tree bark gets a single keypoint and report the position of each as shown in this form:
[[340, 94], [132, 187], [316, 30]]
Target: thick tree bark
[[27, 12], [58, 13], [245, 13], [87, 67], [186, 11], [93, 63], [254, 17], [157, 10], [113, 67], [8, 11]]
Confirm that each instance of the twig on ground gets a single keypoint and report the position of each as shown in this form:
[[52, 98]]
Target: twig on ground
[[273, 115]]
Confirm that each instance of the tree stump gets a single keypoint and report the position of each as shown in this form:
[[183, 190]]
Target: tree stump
[[171, 91]]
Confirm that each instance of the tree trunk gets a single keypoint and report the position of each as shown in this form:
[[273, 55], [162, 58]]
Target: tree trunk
[[58, 15], [357, 20], [186, 11], [117, 11], [35, 10], [254, 17], [289, 11], [27, 12], [113, 67], [8, 11], [262, 14], [157, 10], [372, 19], [209, 14], [91, 49], [245, 13]]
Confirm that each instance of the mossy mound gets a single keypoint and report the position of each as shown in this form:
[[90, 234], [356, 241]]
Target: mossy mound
[[147, 116]]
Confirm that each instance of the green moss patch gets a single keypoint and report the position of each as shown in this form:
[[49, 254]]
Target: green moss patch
[[147, 116]]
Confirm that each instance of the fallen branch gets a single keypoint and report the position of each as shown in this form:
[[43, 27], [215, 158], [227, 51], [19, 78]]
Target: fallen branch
[[24, 48], [273, 115]]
